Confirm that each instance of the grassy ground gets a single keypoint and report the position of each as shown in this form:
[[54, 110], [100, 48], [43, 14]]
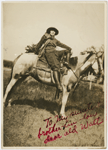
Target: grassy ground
[[7, 63], [34, 102]]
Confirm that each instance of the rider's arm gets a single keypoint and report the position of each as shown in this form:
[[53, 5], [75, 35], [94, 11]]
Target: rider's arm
[[63, 45]]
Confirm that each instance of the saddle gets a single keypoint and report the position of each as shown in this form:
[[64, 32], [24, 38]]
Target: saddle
[[44, 71]]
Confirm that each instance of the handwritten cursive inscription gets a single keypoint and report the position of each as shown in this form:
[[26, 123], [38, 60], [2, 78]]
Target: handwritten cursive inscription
[[49, 139], [49, 122], [71, 131], [88, 116], [51, 127], [95, 122], [51, 130], [90, 107]]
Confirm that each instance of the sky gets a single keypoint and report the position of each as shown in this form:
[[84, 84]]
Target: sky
[[80, 25]]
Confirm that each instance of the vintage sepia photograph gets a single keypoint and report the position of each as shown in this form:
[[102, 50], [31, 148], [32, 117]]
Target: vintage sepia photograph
[[54, 57]]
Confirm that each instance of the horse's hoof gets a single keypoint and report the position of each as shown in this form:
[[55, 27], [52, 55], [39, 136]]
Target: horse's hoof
[[62, 116]]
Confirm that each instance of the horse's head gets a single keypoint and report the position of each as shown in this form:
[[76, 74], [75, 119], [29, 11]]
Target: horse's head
[[87, 51], [93, 50]]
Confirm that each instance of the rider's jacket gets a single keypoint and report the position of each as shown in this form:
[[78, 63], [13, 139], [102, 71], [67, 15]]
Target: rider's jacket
[[51, 43]]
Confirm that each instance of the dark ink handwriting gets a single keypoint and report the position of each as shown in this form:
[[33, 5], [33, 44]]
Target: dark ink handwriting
[[61, 118], [49, 122], [69, 124], [95, 122], [87, 116], [49, 139], [90, 107], [51, 130], [73, 131]]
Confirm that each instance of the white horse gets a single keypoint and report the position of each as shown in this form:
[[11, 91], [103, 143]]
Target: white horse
[[26, 65]]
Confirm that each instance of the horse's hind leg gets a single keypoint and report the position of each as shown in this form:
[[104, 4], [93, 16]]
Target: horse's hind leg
[[8, 89]]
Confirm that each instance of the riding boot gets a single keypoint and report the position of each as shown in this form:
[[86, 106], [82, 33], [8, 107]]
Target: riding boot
[[56, 78], [67, 61]]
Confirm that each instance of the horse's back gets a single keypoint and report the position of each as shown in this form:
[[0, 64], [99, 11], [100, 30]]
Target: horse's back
[[27, 58]]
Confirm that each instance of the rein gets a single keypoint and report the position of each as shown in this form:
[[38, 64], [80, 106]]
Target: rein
[[75, 74]]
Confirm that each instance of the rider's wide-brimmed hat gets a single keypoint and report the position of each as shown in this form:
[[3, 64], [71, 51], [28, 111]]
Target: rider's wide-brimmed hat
[[52, 28]]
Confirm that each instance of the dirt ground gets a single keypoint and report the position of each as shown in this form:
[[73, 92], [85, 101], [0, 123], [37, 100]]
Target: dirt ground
[[34, 102]]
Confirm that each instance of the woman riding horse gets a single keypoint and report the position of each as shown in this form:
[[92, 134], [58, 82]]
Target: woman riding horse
[[52, 55]]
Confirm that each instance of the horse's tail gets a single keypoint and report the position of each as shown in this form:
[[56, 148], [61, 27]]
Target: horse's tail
[[14, 62], [16, 59]]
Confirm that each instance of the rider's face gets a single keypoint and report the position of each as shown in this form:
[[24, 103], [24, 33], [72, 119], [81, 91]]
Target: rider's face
[[52, 33]]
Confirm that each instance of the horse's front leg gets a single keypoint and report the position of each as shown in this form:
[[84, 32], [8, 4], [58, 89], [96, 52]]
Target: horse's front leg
[[64, 100]]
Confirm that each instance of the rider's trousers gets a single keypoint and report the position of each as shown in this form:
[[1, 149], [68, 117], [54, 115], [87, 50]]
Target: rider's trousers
[[54, 58]]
